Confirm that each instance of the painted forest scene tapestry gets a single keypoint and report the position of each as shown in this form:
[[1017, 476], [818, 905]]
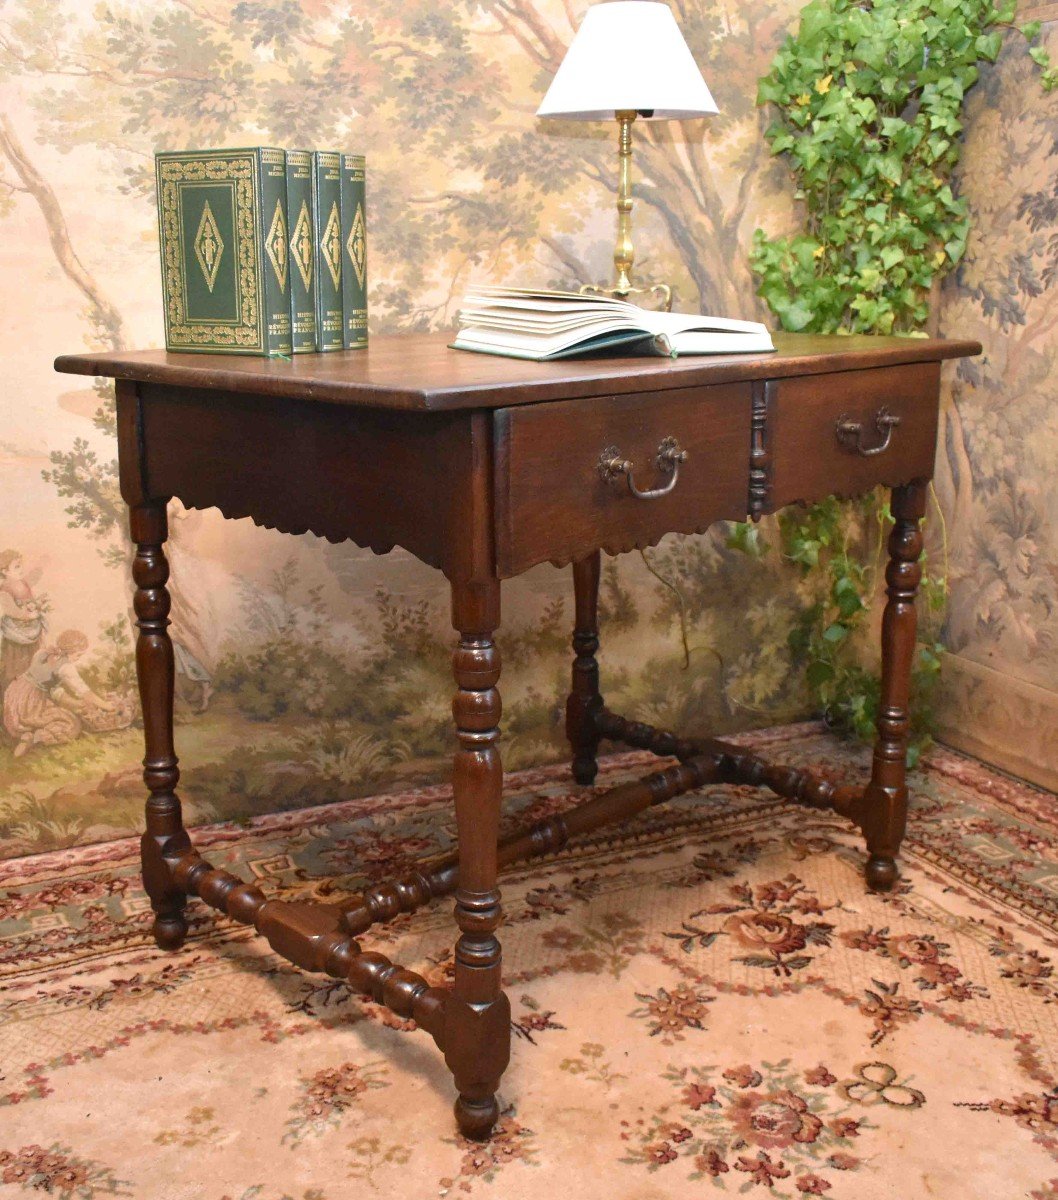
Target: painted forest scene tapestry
[[309, 672]]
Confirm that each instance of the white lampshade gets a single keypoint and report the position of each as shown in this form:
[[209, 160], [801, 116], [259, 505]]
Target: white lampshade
[[628, 54]]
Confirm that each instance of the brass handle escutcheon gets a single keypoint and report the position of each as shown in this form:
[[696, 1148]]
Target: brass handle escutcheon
[[850, 433], [612, 467]]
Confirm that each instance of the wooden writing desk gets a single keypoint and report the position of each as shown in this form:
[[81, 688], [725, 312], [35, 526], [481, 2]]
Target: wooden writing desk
[[484, 467]]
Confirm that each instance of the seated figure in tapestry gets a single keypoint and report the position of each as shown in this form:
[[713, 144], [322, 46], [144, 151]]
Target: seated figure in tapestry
[[50, 703], [22, 614]]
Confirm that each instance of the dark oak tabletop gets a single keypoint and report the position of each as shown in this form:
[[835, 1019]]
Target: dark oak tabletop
[[420, 372]]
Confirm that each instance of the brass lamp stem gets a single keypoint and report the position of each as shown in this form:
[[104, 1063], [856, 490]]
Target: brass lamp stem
[[624, 252]]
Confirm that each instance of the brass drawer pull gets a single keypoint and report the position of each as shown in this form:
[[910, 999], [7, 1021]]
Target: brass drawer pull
[[850, 433], [612, 467]]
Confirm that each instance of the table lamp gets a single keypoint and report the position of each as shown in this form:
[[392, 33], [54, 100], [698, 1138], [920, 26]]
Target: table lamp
[[628, 60]]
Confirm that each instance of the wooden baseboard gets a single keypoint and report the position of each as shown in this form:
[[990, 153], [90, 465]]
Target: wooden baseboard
[[1000, 719]]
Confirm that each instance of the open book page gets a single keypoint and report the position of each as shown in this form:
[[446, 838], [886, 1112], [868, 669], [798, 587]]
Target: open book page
[[540, 324], [539, 350]]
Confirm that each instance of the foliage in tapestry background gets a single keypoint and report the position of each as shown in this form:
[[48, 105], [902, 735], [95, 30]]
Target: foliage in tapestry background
[[311, 671], [995, 470]]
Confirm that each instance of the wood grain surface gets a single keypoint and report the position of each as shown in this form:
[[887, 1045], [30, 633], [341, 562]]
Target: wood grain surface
[[420, 371]]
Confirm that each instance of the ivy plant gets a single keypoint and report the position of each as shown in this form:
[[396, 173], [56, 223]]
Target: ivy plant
[[868, 99]]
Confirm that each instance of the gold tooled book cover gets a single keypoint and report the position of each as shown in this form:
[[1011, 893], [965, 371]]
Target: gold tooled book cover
[[223, 229]]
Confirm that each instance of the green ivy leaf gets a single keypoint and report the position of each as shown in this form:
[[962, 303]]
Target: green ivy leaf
[[795, 315], [988, 45], [745, 536], [849, 602], [818, 674]]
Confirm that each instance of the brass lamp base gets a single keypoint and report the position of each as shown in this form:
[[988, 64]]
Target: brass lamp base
[[661, 292]]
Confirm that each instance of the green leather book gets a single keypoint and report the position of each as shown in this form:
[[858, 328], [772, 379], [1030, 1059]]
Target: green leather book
[[222, 217], [327, 212], [302, 251], [354, 244]]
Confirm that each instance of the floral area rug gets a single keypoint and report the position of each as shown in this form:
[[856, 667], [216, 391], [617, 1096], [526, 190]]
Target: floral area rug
[[706, 1001]]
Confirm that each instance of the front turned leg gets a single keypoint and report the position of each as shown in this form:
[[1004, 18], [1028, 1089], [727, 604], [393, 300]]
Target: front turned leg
[[164, 838], [477, 1016], [584, 701], [885, 799]]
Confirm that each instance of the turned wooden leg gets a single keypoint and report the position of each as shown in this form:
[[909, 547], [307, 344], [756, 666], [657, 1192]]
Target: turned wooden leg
[[164, 837], [885, 799], [477, 1016], [584, 699]]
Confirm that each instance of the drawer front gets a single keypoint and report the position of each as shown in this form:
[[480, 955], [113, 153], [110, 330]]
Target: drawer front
[[555, 503], [846, 433]]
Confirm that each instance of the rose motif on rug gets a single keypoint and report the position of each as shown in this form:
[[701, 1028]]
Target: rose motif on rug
[[608, 946], [533, 1021], [59, 1172], [769, 1125], [922, 955], [327, 1095], [1037, 1112], [482, 1161], [669, 1012], [773, 922]]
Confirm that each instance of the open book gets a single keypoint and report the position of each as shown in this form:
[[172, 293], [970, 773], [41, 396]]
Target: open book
[[522, 323]]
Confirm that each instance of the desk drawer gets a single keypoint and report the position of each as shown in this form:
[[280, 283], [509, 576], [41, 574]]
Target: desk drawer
[[888, 436], [554, 502]]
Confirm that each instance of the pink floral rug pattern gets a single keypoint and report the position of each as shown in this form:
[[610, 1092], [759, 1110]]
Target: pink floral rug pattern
[[706, 1001]]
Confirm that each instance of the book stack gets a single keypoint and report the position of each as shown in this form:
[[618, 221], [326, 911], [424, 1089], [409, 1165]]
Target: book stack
[[264, 251]]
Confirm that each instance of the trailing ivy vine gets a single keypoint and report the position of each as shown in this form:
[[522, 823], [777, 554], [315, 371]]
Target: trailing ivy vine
[[869, 99]]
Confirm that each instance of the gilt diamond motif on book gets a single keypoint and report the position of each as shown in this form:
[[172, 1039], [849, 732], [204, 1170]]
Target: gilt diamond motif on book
[[331, 245], [301, 244], [276, 245], [209, 246], [357, 245]]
